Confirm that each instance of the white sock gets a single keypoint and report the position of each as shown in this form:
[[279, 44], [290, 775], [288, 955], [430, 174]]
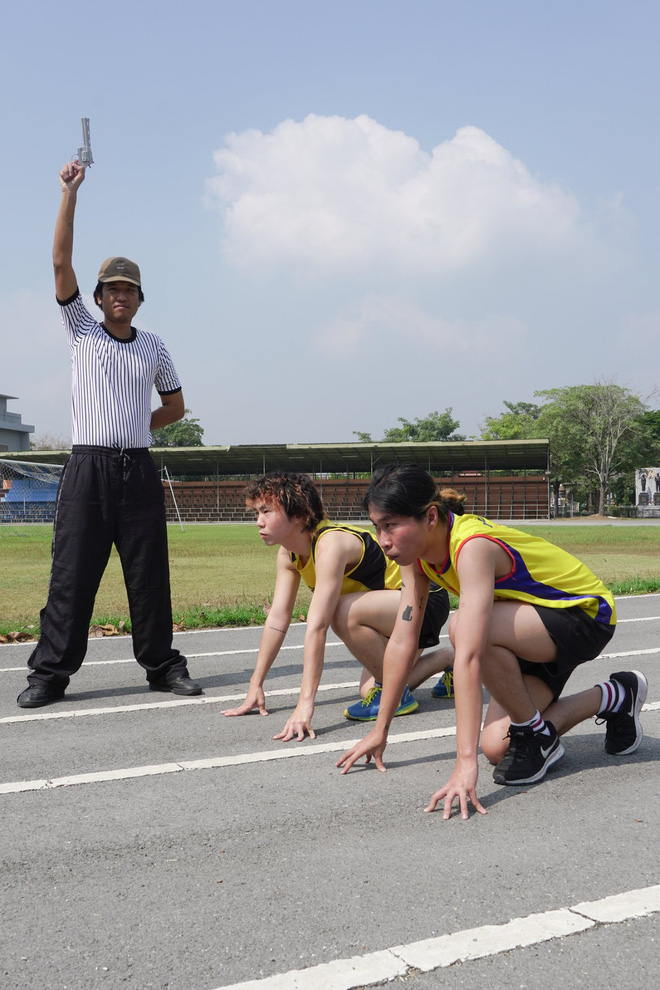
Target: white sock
[[535, 722]]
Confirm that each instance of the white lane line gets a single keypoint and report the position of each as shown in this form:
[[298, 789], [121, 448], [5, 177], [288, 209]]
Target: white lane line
[[222, 699], [216, 762], [300, 646], [474, 943], [642, 618], [628, 653], [189, 656], [177, 703]]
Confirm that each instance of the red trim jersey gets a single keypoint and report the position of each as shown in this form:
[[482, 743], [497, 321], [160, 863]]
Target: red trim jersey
[[373, 572], [541, 573]]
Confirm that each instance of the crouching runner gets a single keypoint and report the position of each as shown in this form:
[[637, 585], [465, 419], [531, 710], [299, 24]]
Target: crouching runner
[[529, 613], [356, 593]]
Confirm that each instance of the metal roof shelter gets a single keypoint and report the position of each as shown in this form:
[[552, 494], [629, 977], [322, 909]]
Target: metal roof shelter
[[243, 460]]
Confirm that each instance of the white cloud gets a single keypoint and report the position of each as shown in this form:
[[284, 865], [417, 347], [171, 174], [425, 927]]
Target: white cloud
[[350, 195], [375, 323]]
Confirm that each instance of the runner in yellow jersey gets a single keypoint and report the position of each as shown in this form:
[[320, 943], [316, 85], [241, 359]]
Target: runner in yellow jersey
[[529, 613], [356, 593]]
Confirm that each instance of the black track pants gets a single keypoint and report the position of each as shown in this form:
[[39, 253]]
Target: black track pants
[[107, 496]]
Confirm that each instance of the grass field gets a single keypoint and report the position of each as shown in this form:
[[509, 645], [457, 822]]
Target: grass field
[[223, 575]]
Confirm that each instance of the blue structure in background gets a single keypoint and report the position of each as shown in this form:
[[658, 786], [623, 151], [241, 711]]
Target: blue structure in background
[[28, 492]]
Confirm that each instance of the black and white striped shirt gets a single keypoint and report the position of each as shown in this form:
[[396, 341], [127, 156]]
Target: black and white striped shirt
[[113, 380]]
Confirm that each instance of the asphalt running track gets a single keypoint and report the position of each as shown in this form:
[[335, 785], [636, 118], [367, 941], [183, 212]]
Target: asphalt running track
[[149, 842]]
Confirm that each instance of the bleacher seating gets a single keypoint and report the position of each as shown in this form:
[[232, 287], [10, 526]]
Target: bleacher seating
[[498, 497], [24, 501]]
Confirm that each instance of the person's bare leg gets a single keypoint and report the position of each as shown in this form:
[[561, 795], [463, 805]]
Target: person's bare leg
[[517, 626], [429, 664], [494, 738], [565, 714], [364, 622], [367, 681], [516, 630]]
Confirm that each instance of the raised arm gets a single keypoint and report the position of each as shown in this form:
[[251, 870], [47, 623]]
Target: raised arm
[[336, 551], [287, 582], [71, 177], [400, 654]]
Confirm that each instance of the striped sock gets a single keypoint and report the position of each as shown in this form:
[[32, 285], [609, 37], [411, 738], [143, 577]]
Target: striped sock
[[613, 694], [535, 723]]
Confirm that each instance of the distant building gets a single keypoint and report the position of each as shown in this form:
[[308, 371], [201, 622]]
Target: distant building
[[14, 435]]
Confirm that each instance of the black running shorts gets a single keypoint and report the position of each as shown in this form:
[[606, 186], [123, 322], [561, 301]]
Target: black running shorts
[[435, 616], [578, 639]]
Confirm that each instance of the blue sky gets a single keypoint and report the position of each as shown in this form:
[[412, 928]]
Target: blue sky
[[344, 212]]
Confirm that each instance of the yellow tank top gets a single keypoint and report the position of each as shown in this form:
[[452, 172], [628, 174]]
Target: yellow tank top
[[373, 572], [541, 573]]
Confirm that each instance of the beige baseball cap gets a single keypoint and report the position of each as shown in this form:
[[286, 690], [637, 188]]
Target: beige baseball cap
[[120, 270]]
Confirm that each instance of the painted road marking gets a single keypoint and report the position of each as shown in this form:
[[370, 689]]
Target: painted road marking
[[216, 762], [189, 656], [206, 700], [177, 703], [300, 646], [213, 763], [295, 646], [474, 943]]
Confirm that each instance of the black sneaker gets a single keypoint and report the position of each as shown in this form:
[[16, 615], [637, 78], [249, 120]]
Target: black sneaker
[[529, 756], [38, 695], [178, 685], [624, 730]]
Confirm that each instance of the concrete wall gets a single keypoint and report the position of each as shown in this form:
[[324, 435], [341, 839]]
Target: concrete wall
[[14, 435]]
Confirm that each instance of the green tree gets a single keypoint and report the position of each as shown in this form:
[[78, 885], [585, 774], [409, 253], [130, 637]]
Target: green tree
[[435, 426], [597, 434], [602, 432], [185, 432], [520, 422]]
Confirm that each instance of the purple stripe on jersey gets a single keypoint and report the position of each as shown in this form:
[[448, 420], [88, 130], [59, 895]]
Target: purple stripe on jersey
[[522, 580]]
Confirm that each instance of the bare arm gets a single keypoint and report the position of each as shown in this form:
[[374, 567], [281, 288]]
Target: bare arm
[[171, 408], [476, 569], [72, 176], [400, 654], [287, 582], [335, 553]]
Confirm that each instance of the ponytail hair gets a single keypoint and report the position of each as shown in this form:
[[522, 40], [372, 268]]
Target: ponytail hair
[[295, 493], [407, 490]]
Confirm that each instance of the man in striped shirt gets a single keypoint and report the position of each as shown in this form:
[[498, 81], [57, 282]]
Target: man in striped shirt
[[110, 491]]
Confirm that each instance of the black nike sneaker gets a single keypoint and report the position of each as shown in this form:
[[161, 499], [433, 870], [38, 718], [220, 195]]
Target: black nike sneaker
[[529, 756], [624, 730]]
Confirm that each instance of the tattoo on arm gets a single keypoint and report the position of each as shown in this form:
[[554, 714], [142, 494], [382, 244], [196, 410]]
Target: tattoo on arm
[[406, 615]]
